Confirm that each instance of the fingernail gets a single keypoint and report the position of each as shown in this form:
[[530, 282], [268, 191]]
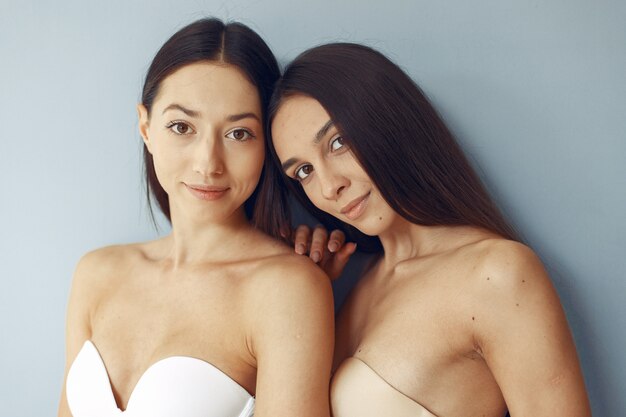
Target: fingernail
[[333, 246], [300, 249], [316, 256]]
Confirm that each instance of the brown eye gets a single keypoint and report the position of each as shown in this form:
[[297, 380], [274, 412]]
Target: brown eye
[[180, 128], [337, 144], [240, 135], [303, 172]]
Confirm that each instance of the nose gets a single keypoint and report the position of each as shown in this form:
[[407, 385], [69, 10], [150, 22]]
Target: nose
[[333, 184], [209, 156]]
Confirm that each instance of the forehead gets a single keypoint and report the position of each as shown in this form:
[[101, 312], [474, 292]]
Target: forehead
[[208, 84], [298, 118]]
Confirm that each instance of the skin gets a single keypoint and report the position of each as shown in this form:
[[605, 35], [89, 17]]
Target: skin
[[330, 252], [459, 319], [215, 288]]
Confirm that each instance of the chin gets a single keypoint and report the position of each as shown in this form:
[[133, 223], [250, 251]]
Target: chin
[[371, 226]]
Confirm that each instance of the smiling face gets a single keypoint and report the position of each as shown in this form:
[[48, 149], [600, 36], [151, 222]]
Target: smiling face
[[205, 134], [312, 151]]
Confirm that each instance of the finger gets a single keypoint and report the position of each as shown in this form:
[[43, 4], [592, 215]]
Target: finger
[[318, 243], [336, 265], [336, 240], [326, 259], [301, 239]]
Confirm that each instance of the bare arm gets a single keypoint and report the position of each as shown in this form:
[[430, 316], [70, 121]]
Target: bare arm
[[292, 341], [524, 337], [78, 327]]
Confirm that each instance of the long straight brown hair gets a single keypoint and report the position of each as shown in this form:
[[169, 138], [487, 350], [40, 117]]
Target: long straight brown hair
[[396, 135]]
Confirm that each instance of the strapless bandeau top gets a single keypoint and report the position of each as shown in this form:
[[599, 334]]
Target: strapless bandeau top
[[178, 386], [358, 391]]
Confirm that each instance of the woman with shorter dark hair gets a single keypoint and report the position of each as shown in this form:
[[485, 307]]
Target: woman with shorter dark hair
[[455, 317], [217, 319]]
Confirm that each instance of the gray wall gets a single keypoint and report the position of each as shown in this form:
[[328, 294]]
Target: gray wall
[[535, 91]]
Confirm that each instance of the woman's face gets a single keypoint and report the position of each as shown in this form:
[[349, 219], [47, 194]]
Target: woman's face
[[206, 137], [312, 152]]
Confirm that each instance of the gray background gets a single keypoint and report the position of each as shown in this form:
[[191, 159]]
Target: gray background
[[534, 90]]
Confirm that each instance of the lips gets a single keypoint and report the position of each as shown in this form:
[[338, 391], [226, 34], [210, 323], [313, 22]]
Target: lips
[[207, 192], [356, 207]]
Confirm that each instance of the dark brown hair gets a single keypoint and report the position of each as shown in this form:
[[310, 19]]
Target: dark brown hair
[[212, 40], [395, 134]]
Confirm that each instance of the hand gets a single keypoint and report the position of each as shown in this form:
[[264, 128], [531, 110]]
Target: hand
[[331, 253]]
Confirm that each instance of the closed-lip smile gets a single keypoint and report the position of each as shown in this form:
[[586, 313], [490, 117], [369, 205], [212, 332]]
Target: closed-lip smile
[[207, 192], [356, 207]]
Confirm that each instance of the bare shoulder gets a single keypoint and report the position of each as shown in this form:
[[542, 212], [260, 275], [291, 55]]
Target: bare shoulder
[[93, 279], [509, 284], [507, 267], [520, 329], [291, 333], [99, 267], [288, 291], [96, 259], [102, 260], [289, 275]]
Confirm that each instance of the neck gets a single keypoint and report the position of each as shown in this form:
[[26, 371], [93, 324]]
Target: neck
[[405, 240], [196, 240]]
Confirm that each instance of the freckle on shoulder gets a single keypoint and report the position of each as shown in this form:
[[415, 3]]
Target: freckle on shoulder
[[501, 260], [509, 281]]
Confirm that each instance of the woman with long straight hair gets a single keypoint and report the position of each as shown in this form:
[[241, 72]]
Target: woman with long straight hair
[[217, 319], [455, 317]]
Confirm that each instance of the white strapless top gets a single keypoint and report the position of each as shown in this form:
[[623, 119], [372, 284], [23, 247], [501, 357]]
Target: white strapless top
[[177, 386], [358, 391]]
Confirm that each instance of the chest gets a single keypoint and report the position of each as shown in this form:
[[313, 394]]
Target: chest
[[407, 307], [148, 317], [414, 328], [411, 326], [149, 303]]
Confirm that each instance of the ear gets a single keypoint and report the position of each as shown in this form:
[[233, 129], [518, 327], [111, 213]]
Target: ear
[[144, 124]]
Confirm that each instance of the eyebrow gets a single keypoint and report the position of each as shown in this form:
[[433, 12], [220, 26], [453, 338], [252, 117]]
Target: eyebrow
[[288, 163], [240, 116], [188, 112], [318, 137], [322, 132], [194, 113]]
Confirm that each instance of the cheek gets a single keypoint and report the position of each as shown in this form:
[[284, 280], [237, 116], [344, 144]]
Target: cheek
[[163, 174], [248, 162], [353, 167], [313, 193], [162, 163], [167, 159]]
